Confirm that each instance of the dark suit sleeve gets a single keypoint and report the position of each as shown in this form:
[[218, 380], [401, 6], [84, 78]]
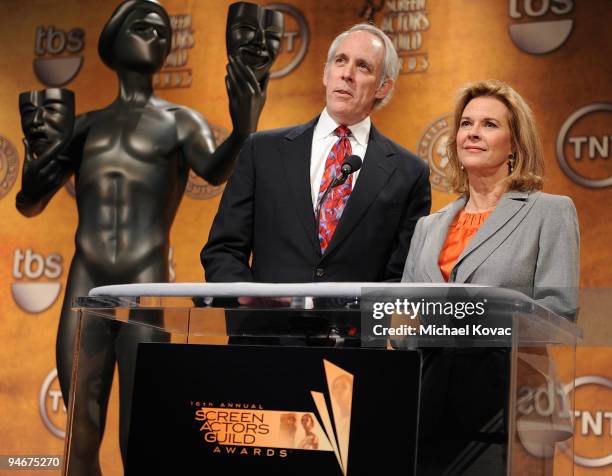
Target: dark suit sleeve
[[225, 256], [419, 205]]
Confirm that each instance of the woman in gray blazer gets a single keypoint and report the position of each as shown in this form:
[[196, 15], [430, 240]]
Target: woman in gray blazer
[[502, 231]]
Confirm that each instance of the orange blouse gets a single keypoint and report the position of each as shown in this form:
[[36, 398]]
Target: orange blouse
[[464, 227]]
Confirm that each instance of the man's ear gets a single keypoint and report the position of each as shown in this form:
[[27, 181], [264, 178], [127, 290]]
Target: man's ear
[[325, 75], [384, 89]]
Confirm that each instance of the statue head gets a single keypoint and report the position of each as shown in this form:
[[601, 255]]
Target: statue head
[[254, 34], [47, 118], [137, 37]]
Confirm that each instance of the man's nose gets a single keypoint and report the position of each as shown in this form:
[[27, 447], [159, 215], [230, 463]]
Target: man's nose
[[348, 72]]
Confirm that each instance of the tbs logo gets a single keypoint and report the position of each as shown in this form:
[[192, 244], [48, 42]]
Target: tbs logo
[[57, 59], [28, 266], [539, 37]]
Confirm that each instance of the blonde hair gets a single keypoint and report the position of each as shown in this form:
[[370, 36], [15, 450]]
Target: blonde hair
[[528, 166]]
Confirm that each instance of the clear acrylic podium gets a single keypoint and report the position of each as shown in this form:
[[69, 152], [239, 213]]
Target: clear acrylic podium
[[337, 378]]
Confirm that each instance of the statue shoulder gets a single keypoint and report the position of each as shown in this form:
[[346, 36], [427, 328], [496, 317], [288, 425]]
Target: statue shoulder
[[189, 121], [85, 120]]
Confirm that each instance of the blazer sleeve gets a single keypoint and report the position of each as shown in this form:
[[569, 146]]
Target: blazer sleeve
[[419, 205], [226, 255], [558, 264]]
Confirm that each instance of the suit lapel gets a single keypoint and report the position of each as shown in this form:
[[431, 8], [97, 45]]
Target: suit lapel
[[437, 236], [492, 233], [295, 156], [378, 165]]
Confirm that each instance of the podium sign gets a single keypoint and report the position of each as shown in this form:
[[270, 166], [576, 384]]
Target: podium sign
[[205, 409]]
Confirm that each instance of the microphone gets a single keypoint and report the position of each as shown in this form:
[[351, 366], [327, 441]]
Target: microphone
[[349, 166]]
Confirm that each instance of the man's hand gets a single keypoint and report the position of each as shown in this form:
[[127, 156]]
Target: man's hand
[[246, 96]]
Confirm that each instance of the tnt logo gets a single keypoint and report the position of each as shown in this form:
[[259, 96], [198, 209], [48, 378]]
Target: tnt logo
[[584, 146], [545, 418], [593, 421], [548, 32], [294, 43], [28, 266], [51, 405], [58, 58]]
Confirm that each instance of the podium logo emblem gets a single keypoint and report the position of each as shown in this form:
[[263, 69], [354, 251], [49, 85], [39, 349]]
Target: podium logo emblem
[[250, 430]]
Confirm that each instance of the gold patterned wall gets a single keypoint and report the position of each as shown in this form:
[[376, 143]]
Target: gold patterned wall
[[556, 53]]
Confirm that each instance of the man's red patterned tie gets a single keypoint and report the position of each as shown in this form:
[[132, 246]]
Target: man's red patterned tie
[[333, 206]]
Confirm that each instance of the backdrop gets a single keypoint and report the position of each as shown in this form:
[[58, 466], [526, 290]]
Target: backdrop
[[556, 53]]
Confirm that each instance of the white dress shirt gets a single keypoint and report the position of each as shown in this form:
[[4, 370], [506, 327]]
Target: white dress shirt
[[323, 139]]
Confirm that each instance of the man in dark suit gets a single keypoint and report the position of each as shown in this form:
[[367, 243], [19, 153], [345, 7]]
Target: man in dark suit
[[270, 205]]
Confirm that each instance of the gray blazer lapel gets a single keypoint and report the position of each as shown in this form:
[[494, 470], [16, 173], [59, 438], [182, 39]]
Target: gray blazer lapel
[[378, 165], [437, 236], [513, 206], [295, 156]]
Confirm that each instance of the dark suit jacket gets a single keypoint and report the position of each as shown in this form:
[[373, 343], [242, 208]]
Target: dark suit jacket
[[267, 210]]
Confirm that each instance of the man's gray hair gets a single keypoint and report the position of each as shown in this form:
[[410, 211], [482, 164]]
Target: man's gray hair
[[391, 65]]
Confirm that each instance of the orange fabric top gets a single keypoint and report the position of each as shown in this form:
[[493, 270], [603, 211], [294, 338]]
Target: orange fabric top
[[464, 227]]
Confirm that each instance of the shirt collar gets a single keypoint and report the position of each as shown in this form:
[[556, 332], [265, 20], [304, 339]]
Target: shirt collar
[[327, 125]]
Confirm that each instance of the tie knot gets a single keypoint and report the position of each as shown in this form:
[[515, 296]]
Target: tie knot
[[342, 132]]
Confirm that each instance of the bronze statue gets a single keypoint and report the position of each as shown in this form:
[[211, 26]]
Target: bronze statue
[[131, 161]]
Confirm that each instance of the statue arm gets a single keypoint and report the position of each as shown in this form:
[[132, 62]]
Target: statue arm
[[246, 101]]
